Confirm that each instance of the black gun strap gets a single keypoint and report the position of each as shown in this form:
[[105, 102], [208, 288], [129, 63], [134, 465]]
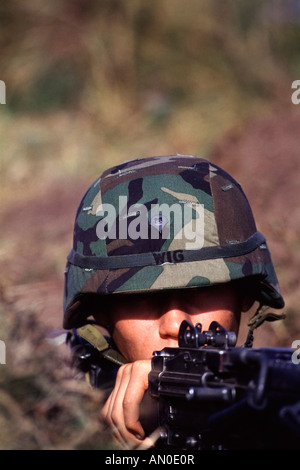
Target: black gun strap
[[91, 334]]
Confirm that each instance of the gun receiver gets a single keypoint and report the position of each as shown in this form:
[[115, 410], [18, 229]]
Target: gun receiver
[[210, 394]]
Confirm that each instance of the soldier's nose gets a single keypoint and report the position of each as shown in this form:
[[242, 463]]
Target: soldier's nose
[[170, 322]]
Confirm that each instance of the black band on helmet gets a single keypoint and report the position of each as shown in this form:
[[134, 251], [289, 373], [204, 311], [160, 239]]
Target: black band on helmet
[[230, 250]]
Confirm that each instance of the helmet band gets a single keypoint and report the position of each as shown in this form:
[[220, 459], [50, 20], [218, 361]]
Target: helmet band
[[232, 249]]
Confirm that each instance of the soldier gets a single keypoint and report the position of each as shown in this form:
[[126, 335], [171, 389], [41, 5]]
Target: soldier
[[157, 241]]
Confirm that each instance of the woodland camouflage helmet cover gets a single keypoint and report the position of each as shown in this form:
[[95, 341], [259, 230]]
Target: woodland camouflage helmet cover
[[166, 222]]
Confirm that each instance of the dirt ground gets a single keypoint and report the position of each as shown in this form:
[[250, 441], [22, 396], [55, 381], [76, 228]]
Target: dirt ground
[[37, 236], [36, 227], [264, 158]]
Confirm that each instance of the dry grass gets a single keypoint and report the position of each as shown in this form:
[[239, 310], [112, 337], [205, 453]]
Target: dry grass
[[43, 405]]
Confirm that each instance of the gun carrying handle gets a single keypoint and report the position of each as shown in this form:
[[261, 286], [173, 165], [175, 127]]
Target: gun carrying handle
[[257, 398]]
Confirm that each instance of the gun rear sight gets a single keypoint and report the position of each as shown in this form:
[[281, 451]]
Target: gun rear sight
[[191, 336]]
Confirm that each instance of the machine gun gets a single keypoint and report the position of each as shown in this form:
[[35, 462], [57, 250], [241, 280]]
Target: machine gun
[[210, 394]]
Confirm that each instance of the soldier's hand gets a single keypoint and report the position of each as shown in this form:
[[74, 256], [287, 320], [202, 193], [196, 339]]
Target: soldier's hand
[[122, 409]]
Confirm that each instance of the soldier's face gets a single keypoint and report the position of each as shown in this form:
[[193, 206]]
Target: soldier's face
[[144, 323]]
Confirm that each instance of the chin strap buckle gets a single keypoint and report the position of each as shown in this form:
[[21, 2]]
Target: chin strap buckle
[[261, 315]]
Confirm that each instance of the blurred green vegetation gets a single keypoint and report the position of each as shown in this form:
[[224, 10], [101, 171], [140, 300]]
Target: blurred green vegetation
[[90, 84]]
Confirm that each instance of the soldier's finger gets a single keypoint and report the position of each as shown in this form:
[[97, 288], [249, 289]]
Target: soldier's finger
[[134, 394]]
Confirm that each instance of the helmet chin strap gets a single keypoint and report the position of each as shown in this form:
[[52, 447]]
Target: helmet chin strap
[[261, 315]]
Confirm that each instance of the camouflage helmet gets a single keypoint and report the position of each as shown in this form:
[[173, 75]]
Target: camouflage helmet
[[167, 222]]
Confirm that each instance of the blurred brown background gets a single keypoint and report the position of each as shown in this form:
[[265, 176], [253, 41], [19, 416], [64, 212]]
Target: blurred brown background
[[93, 83]]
